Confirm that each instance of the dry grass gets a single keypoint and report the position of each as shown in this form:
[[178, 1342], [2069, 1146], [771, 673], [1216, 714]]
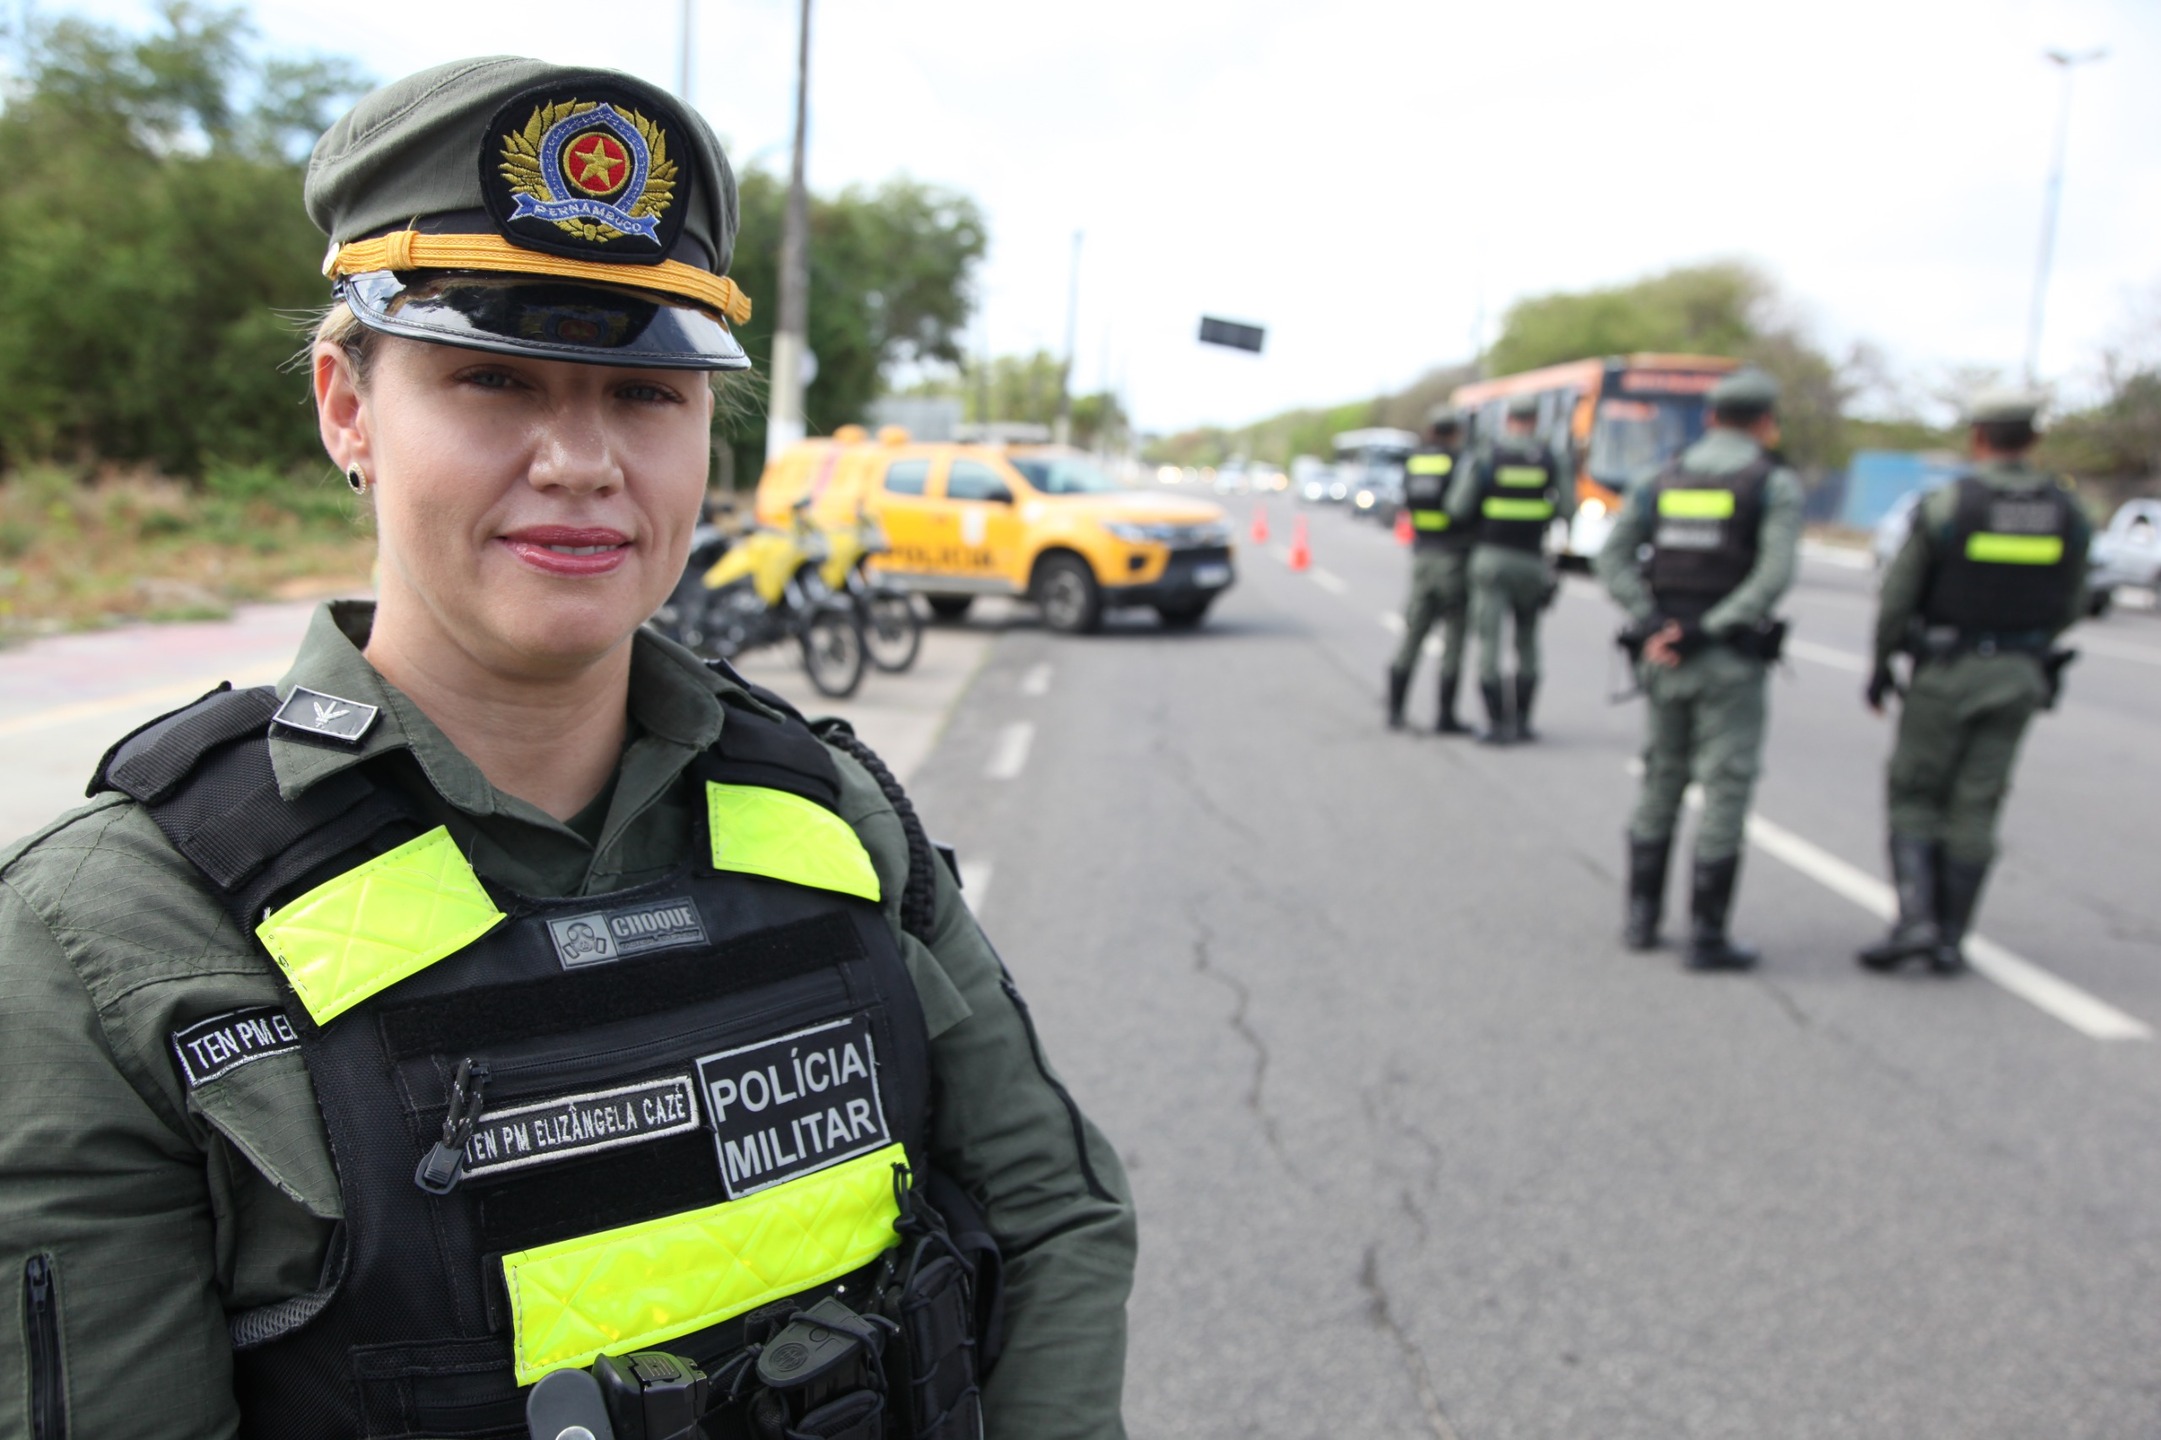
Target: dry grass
[[75, 554]]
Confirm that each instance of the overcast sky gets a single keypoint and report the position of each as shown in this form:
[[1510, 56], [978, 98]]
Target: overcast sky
[[1368, 179]]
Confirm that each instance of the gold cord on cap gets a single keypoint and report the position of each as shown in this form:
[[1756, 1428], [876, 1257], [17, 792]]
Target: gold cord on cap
[[411, 250]]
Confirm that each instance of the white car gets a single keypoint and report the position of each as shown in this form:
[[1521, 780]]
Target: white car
[[2128, 552]]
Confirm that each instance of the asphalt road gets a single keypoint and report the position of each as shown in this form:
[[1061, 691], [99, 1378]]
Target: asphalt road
[[1422, 1152]]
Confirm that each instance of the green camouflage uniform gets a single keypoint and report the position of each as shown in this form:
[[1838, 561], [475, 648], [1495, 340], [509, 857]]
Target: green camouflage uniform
[[1962, 719], [166, 1210], [1705, 717]]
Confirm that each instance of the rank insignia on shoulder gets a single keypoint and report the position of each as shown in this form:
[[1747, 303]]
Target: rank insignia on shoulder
[[314, 713], [223, 1043], [586, 175]]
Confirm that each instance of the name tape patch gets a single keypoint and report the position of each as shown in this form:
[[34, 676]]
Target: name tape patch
[[600, 936], [788, 1106], [224, 1043], [521, 1135], [330, 716]]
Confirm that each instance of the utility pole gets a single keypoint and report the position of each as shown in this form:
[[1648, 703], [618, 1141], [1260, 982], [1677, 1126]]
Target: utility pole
[[682, 74], [791, 343], [1063, 433], [2052, 200]]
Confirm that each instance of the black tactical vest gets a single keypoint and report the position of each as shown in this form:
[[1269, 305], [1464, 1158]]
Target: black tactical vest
[[1704, 536], [1517, 502], [664, 1118], [1427, 477], [2006, 565]]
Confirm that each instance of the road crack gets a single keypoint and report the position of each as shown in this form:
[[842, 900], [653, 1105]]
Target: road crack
[[1381, 1310], [1204, 965]]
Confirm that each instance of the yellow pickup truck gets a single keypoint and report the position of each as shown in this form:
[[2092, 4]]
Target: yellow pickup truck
[[1040, 522]]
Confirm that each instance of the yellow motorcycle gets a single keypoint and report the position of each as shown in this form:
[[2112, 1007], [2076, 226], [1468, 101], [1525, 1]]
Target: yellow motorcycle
[[742, 592], [892, 630]]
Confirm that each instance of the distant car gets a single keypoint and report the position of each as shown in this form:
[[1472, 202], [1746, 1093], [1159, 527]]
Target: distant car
[[2127, 552], [1232, 478]]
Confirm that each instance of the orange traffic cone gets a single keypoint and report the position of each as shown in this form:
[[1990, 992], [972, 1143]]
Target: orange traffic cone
[[1301, 553], [1260, 524], [1403, 527]]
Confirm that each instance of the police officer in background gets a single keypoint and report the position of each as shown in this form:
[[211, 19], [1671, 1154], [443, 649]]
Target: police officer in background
[[1993, 571], [1440, 564], [506, 989], [1510, 495], [1698, 556]]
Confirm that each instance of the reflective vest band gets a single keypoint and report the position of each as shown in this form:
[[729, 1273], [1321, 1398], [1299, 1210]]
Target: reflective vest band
[[1520, 477], [369, 928], [646, 1284], [757, 831], [1696, 504], [1429, 519], [1499, 507], [1429, 465], [1994, 549]]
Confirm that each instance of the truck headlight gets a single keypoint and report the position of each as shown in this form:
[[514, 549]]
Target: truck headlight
[[1133, 534]]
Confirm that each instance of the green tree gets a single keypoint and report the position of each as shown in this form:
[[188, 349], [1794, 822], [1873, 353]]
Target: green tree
[[1727, 308], [890, 274], [156, 246]]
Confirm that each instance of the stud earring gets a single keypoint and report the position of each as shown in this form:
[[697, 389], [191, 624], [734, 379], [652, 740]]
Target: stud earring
[[358, 481]]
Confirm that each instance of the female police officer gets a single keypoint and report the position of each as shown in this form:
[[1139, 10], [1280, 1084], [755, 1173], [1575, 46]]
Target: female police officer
[[507, 990]]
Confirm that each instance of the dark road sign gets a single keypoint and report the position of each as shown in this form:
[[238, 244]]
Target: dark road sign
[[1231, 333]]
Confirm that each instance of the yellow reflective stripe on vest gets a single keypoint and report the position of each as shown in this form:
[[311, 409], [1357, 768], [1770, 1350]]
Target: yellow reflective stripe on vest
[[1520, 477], [1430, 519], [1993, 549], [1499, 507], [1429, 464], [757, 831], [363, 932], [1696, 504], [645, 1284]]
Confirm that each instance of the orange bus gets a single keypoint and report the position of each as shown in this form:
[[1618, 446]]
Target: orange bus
[[1613, 420]]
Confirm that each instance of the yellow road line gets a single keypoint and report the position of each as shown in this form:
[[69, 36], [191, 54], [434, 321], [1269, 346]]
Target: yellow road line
[[167, 695]]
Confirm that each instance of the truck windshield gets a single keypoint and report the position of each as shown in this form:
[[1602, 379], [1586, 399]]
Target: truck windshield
[[1634, 438], [1064, 475]]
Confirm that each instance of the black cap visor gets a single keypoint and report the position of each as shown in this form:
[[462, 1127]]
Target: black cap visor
[[574, 321]]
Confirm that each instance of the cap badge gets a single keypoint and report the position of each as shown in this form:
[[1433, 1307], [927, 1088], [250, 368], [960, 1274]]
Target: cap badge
[[596, 171]]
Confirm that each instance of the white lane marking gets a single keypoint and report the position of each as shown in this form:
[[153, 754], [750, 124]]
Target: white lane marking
[[1035, 681], [975, 882], [2114, 649], [1827, 655], [1010, 756], [1845, 557], [1392, 622], [137, 699], [1328, 580], [2048, 993]]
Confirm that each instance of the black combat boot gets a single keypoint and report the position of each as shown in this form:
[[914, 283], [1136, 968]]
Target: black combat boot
[[1526, 691], [1448, 724], [1399, 685], [1958, 891], [1646, 891], [1914, 934], [1708, 945], [1496, 731]]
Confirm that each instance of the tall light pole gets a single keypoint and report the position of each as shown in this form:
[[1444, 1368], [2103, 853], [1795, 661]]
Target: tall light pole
[[791, 343], [2067, 61], [682, 73], [1063, 431]]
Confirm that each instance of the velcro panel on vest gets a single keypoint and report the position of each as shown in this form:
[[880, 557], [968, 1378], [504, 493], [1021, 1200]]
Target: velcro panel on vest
[[149, 762], [646, 1284], [1993, 549], [756, 749], [760, 831], [1696, 504], [358, 934]]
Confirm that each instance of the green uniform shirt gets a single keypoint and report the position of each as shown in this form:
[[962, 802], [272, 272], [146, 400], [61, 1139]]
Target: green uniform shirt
[[1721, 451], [1906, 581], [164, 1209]]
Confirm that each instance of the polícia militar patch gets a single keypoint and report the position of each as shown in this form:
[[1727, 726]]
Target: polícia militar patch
[[223, 1043], [585, 171], [793, 1104]]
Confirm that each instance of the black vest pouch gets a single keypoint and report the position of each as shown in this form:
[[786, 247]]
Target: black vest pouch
[[1704, 538]]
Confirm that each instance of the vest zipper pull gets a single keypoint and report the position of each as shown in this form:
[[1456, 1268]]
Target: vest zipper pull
[[440, 1168]]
